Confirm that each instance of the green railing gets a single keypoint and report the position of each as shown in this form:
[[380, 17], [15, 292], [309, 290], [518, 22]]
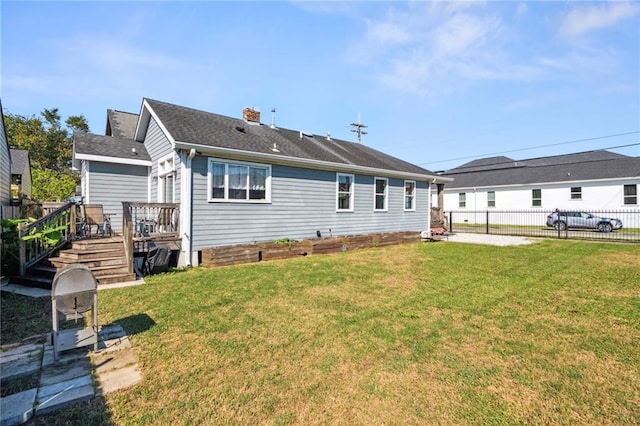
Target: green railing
[[39, 239]]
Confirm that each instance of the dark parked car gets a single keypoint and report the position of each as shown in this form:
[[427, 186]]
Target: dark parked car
[[566, 219]]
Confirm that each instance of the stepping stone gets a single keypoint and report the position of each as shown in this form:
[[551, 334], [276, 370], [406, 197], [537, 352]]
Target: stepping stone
[[20, 361], [16, 409], [114, 380], [58, 395]]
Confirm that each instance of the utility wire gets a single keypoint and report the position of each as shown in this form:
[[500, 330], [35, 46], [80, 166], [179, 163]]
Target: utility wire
[[540, 146]]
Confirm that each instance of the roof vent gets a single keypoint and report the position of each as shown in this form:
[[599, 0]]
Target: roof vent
[[240, 129], [307, 134], [251, 115], [328, 135]]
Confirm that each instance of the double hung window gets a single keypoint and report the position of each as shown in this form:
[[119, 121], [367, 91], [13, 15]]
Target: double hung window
[[409, 195], [381, 188], [630, 194], [462, 199], [235, 181], [536, 197], [491, 199], [344, 200], [576, 192]]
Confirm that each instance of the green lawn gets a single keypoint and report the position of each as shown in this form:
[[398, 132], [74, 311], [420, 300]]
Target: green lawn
[[427, 333]]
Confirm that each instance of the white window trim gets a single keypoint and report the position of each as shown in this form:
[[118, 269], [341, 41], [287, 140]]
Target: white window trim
[[386, 194], [465, 200], [352, 199], [163, 172], [404, 198], [571, 193], [226, 162]]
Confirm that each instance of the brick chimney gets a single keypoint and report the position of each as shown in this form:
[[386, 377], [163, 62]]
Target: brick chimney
[[251, 115]]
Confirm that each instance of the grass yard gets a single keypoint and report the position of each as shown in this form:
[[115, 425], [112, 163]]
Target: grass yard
[[440, 333]]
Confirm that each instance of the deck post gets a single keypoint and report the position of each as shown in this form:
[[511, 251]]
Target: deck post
[[22, 249]]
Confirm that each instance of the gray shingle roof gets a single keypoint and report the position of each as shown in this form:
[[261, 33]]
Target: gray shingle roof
[[19, 161], [121, 124], [581, 166], [189, 125], [109, 146]]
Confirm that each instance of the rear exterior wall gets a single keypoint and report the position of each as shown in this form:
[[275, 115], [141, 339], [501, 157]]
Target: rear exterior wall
[[110, 184], [303, 201]]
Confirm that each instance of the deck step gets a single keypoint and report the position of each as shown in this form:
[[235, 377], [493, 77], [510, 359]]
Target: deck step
[[105, 257]]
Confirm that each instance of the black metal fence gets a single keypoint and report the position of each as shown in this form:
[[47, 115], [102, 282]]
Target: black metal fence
[[536, 223]]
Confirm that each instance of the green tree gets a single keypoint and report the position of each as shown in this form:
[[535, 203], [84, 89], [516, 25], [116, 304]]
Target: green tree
[[50, 147]]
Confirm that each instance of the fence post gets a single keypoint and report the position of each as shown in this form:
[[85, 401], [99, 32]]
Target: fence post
[[451, 221], [487, 223], [22, 250]]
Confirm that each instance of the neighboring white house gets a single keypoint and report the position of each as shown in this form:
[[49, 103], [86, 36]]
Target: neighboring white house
[[586, 181]]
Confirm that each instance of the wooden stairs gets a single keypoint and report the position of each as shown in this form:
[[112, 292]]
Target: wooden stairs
[[105, 257]]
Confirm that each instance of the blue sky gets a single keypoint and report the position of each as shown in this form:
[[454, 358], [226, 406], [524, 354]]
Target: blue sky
[[437, 83]]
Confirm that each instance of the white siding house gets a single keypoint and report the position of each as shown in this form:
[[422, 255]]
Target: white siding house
[[597, 181]]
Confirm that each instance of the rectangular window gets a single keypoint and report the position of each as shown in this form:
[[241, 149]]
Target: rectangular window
[[166, 179], [536, 197], [491, 199], [380, 194], [235, 181], [410, 195], [576, 192], [344, 184], [462, 199], [631, 194]]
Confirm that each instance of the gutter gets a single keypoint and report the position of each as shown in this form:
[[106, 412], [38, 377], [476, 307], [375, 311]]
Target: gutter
[[306, 163]]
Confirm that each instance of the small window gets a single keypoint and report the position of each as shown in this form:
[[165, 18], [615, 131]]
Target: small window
[[536, 197], [409, 195], [345, 188], [462, 200], [631, 194], [239, 182], [491, 199], [576, 192], [380, 189]]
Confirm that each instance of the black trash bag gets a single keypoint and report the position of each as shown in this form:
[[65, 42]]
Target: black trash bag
[[157, 261]]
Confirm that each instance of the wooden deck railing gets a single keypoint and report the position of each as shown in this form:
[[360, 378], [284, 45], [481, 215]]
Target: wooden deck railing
[[39, 239], [143, 223]]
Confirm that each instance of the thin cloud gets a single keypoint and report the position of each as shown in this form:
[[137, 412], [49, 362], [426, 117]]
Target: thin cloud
[[585, 19]]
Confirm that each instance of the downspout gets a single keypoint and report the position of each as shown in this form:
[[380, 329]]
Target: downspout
[[186, 206]]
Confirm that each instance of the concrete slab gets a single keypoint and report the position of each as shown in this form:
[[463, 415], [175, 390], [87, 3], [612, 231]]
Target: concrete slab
[[117, 344], [65, 371], [120, 285], [114, 380], [59, 395], [19, 364], [105, 362], [17, 408], [111, 331], [25, 291]]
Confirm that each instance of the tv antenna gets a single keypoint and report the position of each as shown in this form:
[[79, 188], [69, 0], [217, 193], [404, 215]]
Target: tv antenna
[[357, 128]]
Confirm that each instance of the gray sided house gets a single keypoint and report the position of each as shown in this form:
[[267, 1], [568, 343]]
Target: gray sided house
[[20, 175], [240, 181], [5, 168]]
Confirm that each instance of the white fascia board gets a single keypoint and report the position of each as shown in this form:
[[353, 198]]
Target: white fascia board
[[116, 160], [145, 114], [542, 184], [306, 163]]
